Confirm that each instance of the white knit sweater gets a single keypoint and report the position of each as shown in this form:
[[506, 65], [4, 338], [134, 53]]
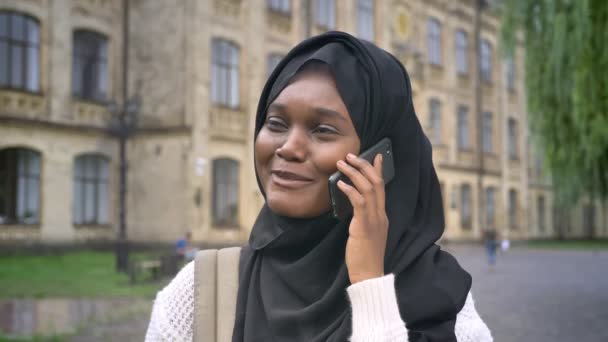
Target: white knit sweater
[[374, 306]]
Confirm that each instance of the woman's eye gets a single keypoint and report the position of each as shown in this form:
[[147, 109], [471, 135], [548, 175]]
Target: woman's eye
[[325, 130], [275, 124]]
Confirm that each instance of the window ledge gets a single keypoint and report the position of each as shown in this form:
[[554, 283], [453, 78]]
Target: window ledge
[[92, 225]]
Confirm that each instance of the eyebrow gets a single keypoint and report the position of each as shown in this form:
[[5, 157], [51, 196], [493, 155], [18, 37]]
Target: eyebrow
[[326, 112]]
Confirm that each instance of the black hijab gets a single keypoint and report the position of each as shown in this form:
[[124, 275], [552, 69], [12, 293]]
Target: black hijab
[[293, 278]]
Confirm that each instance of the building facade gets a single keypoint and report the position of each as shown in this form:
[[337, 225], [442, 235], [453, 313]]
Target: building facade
[[198, 68]]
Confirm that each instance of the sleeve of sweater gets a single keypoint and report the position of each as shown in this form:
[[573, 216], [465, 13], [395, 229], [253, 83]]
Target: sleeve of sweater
[[376, 315], [173, 311]]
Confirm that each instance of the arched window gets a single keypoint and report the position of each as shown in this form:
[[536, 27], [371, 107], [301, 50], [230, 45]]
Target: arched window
[[365, 19], [466, 216], [540, 213], [19, 186], [435, 120], [490, 197], [90, 66], [225, 62], [19, 51], [462, 47], [91, 190], [434, 41], [513, 203], [485, 51], [225, 192]]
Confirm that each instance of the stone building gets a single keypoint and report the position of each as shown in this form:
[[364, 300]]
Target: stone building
[[198, 68]]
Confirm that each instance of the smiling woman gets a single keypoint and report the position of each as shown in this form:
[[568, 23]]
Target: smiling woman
[[307, 130], [304, 275]]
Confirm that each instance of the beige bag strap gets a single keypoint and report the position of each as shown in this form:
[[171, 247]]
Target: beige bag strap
[[216, 282]]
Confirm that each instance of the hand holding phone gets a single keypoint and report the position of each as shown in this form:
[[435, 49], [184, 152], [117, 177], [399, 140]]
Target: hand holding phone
[[368, 228], [341, 206]]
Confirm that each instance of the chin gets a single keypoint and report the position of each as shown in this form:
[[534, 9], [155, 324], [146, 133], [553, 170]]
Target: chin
[[285, 205]]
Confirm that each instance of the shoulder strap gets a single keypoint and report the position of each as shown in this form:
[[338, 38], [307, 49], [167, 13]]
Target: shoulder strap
[[216, 274]]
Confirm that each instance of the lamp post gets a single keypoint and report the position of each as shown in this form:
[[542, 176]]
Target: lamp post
[[123, 126]]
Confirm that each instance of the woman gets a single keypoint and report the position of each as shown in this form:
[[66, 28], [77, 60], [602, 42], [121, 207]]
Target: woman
[[306, 276]]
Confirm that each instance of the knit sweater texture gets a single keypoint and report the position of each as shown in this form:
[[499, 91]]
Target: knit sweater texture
[[374, 306]]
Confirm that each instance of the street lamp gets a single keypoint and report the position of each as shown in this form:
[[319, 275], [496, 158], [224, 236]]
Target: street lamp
[[123, 125]]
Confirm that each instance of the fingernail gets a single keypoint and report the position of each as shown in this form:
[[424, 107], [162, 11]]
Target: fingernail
[[350, 155], [341, 162]]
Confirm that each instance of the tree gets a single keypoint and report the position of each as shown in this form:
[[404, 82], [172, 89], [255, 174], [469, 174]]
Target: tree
[[566, 64]]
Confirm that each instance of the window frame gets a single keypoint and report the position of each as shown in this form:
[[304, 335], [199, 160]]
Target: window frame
[[96, 91], [435, 128], [325, 13], [225, 60], [21, 173], [466, 201], [97, 180], [541, 213], [485, 63], [224, 186], [279, 6], [487, 133], [512, 138], [513, 209], [434, 48], [366, 19], [25, 44], [463, 142], [461, 47]]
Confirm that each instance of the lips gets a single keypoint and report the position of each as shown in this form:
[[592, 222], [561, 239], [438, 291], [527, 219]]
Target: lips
[[289, 179]]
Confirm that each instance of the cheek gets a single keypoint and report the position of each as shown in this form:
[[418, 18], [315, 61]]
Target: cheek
[[265, 147], [327, 158]]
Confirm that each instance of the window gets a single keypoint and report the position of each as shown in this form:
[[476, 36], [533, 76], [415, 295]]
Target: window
[[490, 208], [510, 74], [540, 207], [282, 6], [485, 51], [365, 19], [589, 219], [512, 209], [434, 41], [19, 186], [435, 120], [486, 133], [466, 216], [462, 66], [512, 136], [463, 128], [225, 192], [91, 189], [272, 62], [19, 51], [325, 12], [225, 73], [90, 66]]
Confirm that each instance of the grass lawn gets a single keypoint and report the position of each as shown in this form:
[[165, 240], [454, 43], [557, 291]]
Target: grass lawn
[[72, 275], [584, 245]]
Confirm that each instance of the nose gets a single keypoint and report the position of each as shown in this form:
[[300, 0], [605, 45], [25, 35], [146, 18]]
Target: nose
[[295, 146]]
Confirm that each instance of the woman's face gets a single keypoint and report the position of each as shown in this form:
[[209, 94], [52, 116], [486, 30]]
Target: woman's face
[[307, 130]]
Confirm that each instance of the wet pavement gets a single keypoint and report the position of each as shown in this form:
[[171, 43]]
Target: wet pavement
[[531, 295]]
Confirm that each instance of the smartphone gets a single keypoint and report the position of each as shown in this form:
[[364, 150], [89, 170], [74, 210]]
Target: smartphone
[[341, 207]]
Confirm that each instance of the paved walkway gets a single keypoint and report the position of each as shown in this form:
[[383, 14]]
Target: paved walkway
[[541, 295], [531, 296]]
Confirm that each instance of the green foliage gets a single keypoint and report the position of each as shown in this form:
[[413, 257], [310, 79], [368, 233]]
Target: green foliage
[[566, 63], [71, 275]]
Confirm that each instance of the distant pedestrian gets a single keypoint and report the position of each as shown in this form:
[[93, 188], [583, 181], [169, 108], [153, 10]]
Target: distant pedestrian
[[491, 243], [184, 248]]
